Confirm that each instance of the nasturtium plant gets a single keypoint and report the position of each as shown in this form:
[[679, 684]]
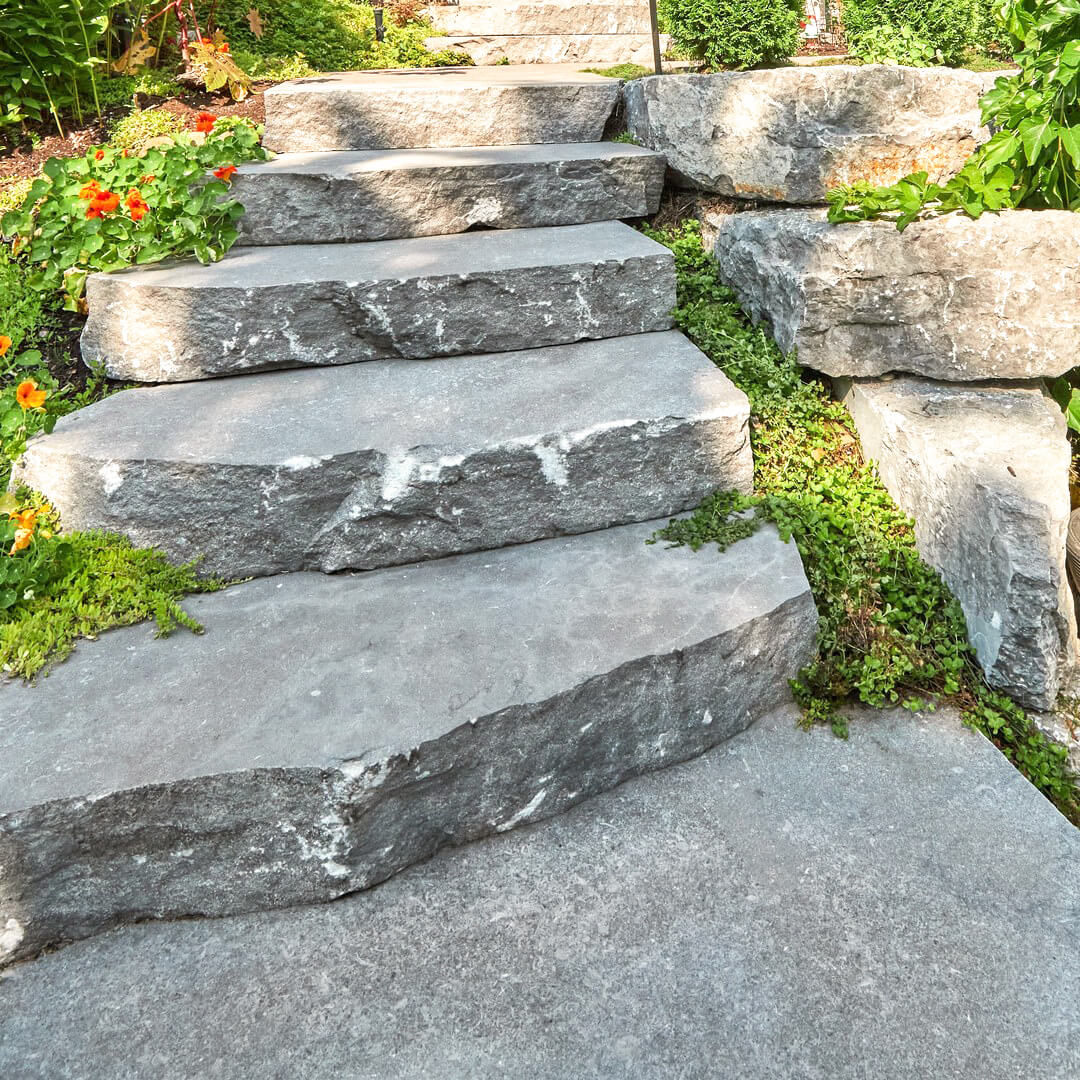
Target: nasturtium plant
[[1032, 159], [113, 208]]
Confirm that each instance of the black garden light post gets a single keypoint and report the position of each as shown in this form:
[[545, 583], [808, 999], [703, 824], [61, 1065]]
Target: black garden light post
[[654, 26]]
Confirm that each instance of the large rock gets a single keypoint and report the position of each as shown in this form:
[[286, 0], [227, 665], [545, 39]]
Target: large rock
[[386, 194], [984, 472], [395, 461], [949, 298], [324, 733], [309, 305], [790, 134], [541, 17], [467, 106], [564, 48]]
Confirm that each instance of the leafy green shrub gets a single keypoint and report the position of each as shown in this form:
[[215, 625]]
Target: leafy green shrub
[[733, 33], [889, 45], [890, 631], [1033, 158], [110, 209], [947, 26], [136, 129]]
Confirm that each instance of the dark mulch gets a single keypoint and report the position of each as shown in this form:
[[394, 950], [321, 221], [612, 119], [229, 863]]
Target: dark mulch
[[26, 159]]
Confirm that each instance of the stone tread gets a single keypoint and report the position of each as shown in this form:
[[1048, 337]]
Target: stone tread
[[554, 48], [325, 732], [394, 461], [542, 17], [386, 194], [775, 906], [319, 304]]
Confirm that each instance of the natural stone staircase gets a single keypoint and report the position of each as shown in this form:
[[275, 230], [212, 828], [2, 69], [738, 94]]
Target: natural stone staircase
[[546, 31], [328, 731]]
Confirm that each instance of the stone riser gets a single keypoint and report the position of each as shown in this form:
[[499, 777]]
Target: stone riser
[[596, 49], [384, 195], [418, 299], [540, 17], [468, 107], [280, 833], [305, 477]]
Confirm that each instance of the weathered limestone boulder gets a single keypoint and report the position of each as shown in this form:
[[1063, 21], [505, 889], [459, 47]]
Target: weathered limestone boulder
[[949, 298], [984, 472], [790, 134]]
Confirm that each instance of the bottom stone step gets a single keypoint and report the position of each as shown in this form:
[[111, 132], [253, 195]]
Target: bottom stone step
[[325, 733]]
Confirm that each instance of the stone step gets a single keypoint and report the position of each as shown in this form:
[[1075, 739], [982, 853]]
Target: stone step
[[542, 17], [342, 195], [308, 305], [684, 919], [431, 107], [397, 461], [324, 733], [552, 48]]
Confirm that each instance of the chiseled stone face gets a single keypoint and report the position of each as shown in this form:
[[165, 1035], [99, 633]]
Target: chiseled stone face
[[983, 470], [384, 195], [326, 304], [368, 465], [325, 733], [949, 298], [791, 134]]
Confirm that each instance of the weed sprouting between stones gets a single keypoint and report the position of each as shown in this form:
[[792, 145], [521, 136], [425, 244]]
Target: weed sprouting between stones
[[890, 631]]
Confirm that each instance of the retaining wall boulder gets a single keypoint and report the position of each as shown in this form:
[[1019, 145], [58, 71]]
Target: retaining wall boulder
[[949, 298], [790, 134], [984, 472]]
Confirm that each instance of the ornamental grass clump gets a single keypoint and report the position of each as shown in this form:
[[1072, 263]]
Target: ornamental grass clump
[[113, 208]]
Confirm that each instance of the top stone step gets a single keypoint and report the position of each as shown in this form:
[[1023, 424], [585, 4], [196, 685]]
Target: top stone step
[[432, 107]]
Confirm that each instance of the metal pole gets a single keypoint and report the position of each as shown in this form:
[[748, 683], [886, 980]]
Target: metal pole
[[655, 27]]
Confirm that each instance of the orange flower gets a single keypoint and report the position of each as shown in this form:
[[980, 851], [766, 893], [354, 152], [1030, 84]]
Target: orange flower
[[205, 121], [223, 47], [148, 179], [124, 153], [93, 212], [25, 519], [99, 155], [90, 191], [22, 540], [225, 173], [5, 344], [207, 42], [106, 202], [136, 205], [29, 396]]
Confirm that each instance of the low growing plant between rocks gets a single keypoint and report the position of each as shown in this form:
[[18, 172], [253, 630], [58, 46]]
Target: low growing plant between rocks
[[1033, 158], [112, 208], [891, 633]]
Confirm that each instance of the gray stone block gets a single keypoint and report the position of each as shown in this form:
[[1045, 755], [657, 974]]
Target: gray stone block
[[552, 48], [984, 472], [949, 298], [325, 733], [767, 912], [425, 107], [369, 465], [541, 17], [791, 134], [387, 194], [311, 305]]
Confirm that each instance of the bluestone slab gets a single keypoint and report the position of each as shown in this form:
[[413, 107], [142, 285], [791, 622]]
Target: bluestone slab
[[984, 471], [317, 304], [324, 733], [395, 461], [949, 298], [424, 107], [902, 905], [386, 194]]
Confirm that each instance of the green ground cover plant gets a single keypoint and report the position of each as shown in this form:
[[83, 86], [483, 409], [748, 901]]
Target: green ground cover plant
[[1033, 158], [948, 28], [733, 33], [890, 631]]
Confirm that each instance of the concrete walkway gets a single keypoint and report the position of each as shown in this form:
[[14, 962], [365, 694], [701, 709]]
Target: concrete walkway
[[902, 906]]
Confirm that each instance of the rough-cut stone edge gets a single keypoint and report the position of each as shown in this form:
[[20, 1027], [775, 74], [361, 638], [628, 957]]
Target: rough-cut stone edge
[[1040, 652], [265, 838], [558, 48], [312, 208]]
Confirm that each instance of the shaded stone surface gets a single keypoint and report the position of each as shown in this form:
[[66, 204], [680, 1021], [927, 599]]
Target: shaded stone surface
[[791, 905], [325, 733], [394, 461], [551, 48], [984, 472], [318, 304], [387, 194], [949, 298], [791, 134], [426, 107]]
